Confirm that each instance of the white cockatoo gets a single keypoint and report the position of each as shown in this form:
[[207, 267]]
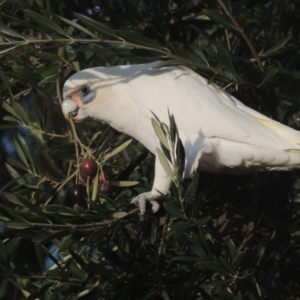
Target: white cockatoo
[[218, 132]]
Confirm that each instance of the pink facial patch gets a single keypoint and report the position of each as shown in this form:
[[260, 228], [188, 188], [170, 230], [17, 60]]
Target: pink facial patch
[[75, 97]]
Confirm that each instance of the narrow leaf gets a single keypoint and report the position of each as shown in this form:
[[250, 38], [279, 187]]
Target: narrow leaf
[[165, 164], [218, 18], [96, 25], [278, 46], [9, 31], [9, 109], [6, 82], [238, 259], [214, 267], [233, 252], [174, 211], [117, 150], [125, 183], [160, 133], [20, 153], [272, 71], [120, 214], [45, 22], [77, 26]]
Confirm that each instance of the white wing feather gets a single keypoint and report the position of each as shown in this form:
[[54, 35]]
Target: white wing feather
[[206, 110]]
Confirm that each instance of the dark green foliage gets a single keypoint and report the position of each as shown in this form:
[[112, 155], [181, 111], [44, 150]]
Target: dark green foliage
[[215, 236]]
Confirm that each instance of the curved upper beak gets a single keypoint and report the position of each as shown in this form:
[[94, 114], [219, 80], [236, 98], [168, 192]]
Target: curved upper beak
[[71, 110]]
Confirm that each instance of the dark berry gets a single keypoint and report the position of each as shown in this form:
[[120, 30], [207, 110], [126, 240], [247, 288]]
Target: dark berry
[[88, 167], [105, 187], [78, 193], [174, 20]]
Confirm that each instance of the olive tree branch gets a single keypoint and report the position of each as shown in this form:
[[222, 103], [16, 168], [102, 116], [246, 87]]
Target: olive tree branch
[[244, 35]]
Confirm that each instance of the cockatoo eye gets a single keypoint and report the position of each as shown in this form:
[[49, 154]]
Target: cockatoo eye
[[84, 90], [85, 94]]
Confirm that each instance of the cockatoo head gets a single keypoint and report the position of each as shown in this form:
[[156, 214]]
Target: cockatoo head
[[87, 93], [80, 92]]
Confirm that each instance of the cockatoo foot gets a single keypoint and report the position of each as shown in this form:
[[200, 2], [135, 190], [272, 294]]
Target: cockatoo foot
[[141, 201]]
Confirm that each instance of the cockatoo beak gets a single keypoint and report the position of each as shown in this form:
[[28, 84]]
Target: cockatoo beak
[[72, 109]]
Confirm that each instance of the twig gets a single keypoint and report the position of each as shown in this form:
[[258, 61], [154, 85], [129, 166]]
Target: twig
[[244, 35], [90, 226], [60, 187], [165, 229], [16, 276], [248, 237], [58, 91]]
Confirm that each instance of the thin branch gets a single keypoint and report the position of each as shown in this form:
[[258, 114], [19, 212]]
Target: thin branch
[[60, 187], [90, 226], [164, 52], [164, 231], [244, 35], [16, 276]]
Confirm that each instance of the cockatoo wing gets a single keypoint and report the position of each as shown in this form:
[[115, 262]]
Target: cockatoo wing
[[206, 110]]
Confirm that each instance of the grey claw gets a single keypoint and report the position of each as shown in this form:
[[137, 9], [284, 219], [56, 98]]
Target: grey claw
[[141, 201]]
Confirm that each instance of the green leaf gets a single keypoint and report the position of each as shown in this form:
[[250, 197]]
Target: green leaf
[[21, 153], [165, 164], [175, 228], [11, 197], [44, 237], [139, 40], [226, 295], [83, 293], [174, 211], [198, 52], [233, 252], [98, 27], [49, 56], [214, 267], [19, 110], [50, 74], [40, 291], [117, 150], [17, 225], [6, 82], [25, 74], [95, 186], [120, 214], [227, 265], [221, 282], [15, 175], [218, 18], [271, 72], [99, 268], [186, 258], [160, 133], [45, 22], [274, 50], [33, 208], [165, 295], [238, 259], [26, 149], [225, 57], [4, 256], [77, 26], [10, 32], [9, 109], [13, 245], [125, 183]]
